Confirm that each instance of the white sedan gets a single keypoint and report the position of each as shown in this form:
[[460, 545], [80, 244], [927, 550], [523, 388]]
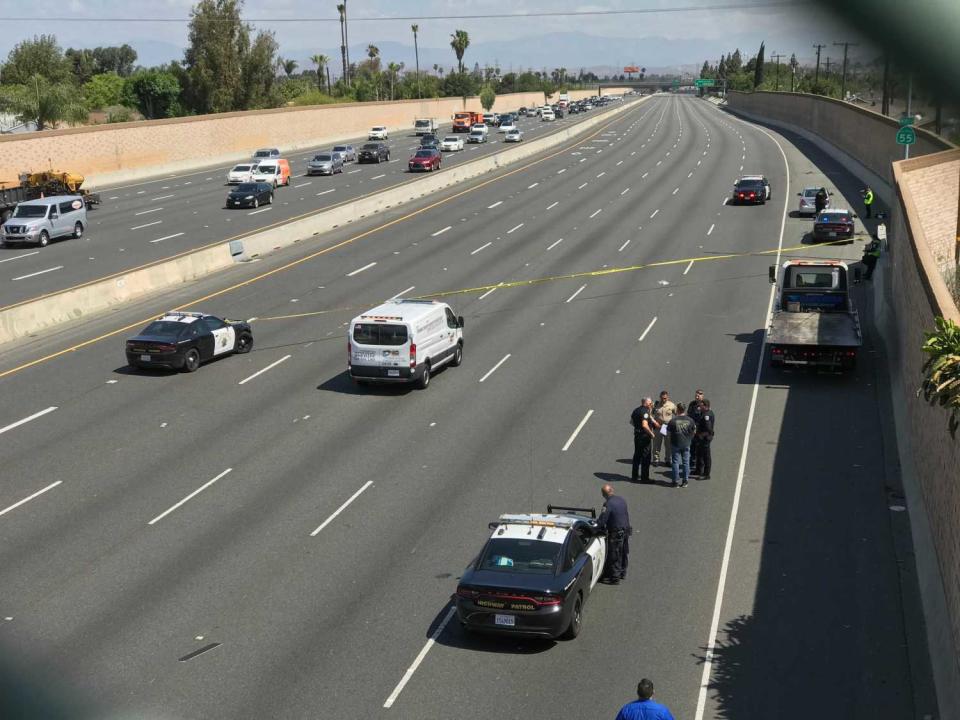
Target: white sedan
[[507, 126], [452, 143], [240, 174], [513, 136]]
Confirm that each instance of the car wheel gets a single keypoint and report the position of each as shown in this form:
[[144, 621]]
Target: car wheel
[[576, 619], [256, 202], [424, 380], [270, 199], [457, 356], [274, 184], [78, 230], [191, 361], [378, 159], [44, 238], [244, 343]]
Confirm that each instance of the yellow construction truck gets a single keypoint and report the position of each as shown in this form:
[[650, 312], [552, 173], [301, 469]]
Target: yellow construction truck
[[31, 186]]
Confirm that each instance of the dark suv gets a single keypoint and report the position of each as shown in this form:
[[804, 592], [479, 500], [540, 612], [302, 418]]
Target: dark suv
[[373, 152]]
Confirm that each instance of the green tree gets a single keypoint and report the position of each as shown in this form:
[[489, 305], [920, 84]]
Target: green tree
[[321, 61], [155, 93], [460, 43], [288, 66], [735, 63], [258, 80], [103, 90], [43, 102], [758, 68], [459, 85], [393, 70], [548, 89], [487, 97], [83, 65], [118, 59], [41, 56]]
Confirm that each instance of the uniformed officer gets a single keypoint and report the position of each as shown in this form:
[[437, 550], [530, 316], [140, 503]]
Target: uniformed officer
[[868, 201], [705, 429], [615, 520], [820, 200], [645, 429], [871, 254], [695, 410]]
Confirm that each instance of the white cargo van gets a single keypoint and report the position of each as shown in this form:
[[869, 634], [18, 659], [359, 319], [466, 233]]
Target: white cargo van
[[404, 341]]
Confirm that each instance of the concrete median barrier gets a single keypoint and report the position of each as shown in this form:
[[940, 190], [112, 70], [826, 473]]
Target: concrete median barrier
[[88, 300]]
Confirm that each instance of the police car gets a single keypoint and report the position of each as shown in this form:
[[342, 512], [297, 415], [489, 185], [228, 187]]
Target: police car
[[183, 340], [534, 574], [751, 189]]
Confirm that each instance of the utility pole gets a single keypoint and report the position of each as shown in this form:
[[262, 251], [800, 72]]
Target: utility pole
[[346, 39], [776, 57], [816, 73], [827, 63], [885, 101], [843, 77], [906, 148]]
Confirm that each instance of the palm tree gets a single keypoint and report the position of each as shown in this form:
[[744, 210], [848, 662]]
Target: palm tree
[[342, 9], [321, 61], [373, 53], [416, 52], [460, 43], [392, 69], [44, 103], [288, 66]]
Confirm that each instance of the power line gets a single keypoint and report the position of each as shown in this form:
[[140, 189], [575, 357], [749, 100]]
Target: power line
[[407, 18]]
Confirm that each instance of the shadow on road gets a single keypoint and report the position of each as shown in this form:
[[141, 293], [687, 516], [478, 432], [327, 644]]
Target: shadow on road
[[455, 636]]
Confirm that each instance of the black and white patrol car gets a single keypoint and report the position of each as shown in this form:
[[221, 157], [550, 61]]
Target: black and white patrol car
[[751, 189], [183, 340], [534, 574]]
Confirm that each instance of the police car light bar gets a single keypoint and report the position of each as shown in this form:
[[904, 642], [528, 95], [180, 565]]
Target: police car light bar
[[573, 510]]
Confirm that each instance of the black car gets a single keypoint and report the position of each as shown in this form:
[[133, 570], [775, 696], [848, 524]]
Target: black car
[[833, 224], [430, 141], [183, 340], [250, 195], [573, 109], [373, 152], [534, 575], [751, 189]]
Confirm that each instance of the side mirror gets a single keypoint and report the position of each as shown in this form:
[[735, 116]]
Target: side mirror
[[772, 272], [460, 320], [799, 194], [854, 215]]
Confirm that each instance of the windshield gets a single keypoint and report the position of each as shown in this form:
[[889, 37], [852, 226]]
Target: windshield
[[378, 128], [370, 146], [242, 168], [30, 211], [372, 334], [340, 148], [423, 123], [163, 327], [451, 139], [263, 153], [424, 154], [520, 555], [834, 216], [246, 188], [810, 192], [322, 158], [749, 184], [263, 169]]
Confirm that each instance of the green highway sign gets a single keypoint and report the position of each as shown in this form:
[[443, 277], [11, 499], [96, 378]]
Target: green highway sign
[[906, 120], [906, 135], [676, 82], [705, 82]]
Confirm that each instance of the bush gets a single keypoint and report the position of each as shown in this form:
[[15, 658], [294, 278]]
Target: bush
[[315, 97], [941, 383]]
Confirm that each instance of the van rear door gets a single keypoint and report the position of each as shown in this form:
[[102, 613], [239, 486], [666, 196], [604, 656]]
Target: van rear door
[[384, 345]]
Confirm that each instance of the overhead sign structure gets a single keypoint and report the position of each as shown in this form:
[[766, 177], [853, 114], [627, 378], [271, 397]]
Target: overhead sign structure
[[906, 120], [676, 82], [705, 82], [906, 135]]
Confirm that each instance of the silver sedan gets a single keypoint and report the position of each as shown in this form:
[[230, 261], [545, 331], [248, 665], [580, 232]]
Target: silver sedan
[[325, 164], [347, 152]]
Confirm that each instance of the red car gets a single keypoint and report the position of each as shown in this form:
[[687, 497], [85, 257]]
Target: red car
[[425, 159]]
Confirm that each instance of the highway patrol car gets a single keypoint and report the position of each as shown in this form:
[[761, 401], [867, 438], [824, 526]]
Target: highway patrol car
[[183, 340], [534, 574]]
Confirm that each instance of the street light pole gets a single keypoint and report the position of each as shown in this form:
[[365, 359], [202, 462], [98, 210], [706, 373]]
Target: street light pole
[[843, 80], [777, 56]]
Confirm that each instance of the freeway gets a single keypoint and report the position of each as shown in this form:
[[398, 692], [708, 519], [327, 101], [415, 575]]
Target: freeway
[[150, 221], [264, 539]]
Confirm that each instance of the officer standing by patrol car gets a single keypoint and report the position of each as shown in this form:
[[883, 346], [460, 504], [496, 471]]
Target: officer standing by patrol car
[[645, 429], [615, 520]]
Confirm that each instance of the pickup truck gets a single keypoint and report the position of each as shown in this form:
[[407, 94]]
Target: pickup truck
[[814, 322], [425, 126]]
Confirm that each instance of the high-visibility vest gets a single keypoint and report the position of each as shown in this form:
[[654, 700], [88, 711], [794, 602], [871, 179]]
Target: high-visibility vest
[[868, 198], [872, 248]]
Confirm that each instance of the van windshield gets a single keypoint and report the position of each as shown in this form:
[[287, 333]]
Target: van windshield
[[375, 334], [30, 211]]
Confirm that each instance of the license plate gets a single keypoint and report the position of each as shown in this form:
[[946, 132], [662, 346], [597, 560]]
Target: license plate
[[393, 373], [796, 362], [145, 358], [505, 620], [833, 233]]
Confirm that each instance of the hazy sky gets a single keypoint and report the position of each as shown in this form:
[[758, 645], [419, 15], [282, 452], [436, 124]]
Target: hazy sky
[[787, 30]]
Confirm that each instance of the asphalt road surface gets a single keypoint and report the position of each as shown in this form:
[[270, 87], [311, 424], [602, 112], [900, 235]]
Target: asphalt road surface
[[150, 221], [264, 539]]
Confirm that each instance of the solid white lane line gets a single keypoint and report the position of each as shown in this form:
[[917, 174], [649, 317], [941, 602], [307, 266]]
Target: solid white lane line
[[481, 248], [188, 497], [514, 228], [140, 227], [626, 190], [498, 202], [327, 191], [494, 368], [404, 292], [531, 187], [554, 244], [38, 493], [167, 237], [654, 213], [419, 659], [343, 507], [486, 293], [41, 272], [360, 270], [261, 372], [623, 246], [25, 420], [147, 212], [550, 207], [561, 171], [688, 268], [441, 231], [652, 323], [377, 177], [308, 182], [596, 212], [257, 212], [582, 186], [577, 431], [35, 252], [570, 299], [711, 229], [162, 197]]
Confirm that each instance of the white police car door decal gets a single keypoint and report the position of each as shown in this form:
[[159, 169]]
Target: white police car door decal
[[224, 339], [597, 550]]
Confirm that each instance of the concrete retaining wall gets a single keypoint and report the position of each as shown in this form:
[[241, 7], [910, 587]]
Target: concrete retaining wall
[[127, 152], [31, 317]]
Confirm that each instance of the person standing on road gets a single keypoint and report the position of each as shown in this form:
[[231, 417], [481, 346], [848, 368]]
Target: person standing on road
[[820, 200], [868, 201], [705, 429], [645, 430], [644, 707], [615, 520], [663, 411], [695, 410], [681, 430], [871, 254]]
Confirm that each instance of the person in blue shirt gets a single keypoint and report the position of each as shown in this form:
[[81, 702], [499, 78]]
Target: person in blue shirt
[[644, 707]]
